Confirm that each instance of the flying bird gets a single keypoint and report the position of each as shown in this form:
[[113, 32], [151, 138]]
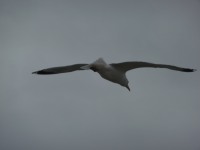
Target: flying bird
[[115, 72]]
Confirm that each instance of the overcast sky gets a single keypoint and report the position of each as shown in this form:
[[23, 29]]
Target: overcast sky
[[80, 110]]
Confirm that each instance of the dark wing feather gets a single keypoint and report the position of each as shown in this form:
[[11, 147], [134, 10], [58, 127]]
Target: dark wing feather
[[62, 69], [126, 66]]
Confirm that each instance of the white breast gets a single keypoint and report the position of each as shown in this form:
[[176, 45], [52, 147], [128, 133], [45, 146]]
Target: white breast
[[109, 73]]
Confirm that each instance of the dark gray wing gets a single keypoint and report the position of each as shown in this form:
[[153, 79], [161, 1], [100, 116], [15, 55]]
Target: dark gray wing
[[126, 66], [62, 69]]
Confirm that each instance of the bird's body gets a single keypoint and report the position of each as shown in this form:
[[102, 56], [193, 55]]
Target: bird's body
[[115, 72], [111, 74]]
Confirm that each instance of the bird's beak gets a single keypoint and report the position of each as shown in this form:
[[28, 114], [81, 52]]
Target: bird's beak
[[128, 88]]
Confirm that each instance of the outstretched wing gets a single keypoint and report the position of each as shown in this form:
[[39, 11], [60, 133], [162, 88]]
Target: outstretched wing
[[62, 69], [126, 66]]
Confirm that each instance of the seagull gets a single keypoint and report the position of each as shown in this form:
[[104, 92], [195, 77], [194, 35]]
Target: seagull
[[114, 72]]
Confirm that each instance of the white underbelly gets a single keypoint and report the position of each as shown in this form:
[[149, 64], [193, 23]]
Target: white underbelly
[[114, 76]]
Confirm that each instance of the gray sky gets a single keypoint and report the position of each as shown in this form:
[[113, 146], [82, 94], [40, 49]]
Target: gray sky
[[81, 110]]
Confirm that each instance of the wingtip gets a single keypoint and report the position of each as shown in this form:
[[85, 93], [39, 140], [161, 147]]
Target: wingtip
[[44, 72], [189, 70], [34, 72]]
